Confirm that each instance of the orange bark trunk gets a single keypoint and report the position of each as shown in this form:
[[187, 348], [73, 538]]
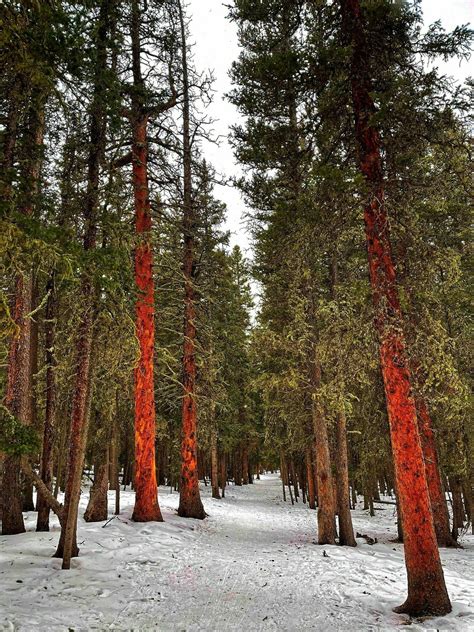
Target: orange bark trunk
[[427, 592], [190, 504], [146, 491]]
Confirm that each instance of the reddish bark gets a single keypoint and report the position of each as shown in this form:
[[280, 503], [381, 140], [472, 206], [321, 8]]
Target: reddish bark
[[427, 592], [190, 504], [146, 497], [439, 505], [146, 491]]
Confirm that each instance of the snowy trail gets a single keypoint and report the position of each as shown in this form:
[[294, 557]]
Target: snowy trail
[[253, 564]]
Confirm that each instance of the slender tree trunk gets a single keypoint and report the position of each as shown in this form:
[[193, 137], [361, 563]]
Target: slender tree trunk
[[97, 506], [289, 484], [326, 506], [114, 471], [238, 466], [46, 470], [223, 473], [439, 505], [294, 479], [51, 316], [310, 478], [458, 508], [283, 473], [468, 500], [146, 490], [190, 504], [427, 592], [76, 442], [33, 176], [67, 547], [353, 495], [214, 466], [113, 476], [245, 464], [346, 531]]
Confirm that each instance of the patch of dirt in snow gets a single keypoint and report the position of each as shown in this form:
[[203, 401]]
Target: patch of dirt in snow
[[253, 564]]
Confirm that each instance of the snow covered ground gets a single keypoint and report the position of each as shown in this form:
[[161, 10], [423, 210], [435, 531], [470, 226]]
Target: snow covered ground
[[253, 564]]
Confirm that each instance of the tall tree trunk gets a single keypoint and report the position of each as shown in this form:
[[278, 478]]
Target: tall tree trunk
[[67, 547], [459, 516], [223, 473], [190, 504], [33, 176], [427, 592], [310, 478], [346, 530], [283, 473], [326, 505], [146, 490], [50, 323], [46, 469], [17, 402], [214, 465], [97, 506], [114, 464], [18, 394]]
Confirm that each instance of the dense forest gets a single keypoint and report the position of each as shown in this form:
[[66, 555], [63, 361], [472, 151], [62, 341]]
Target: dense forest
[[144, 357]]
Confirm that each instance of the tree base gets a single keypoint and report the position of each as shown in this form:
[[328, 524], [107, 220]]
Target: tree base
[[195, 511], [420, 608], [60, 551], [449, 543], [148, 516], [347, 542]]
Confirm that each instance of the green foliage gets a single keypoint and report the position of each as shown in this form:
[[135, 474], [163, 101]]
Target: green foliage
[[16, 439]]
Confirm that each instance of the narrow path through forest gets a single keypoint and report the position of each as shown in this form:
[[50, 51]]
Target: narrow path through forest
[[253, 564]]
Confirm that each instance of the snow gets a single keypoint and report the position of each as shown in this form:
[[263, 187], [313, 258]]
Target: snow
[[253, 564]]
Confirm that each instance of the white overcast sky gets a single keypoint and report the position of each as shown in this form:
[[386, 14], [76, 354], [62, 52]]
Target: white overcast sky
[[216, 47]]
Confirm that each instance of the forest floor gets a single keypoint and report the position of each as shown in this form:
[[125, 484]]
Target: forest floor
[[253, 564]]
